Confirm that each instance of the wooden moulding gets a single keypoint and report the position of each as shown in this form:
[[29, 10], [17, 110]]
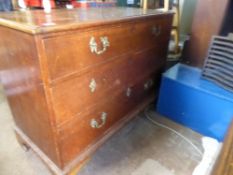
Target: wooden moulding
[[224, 164], [35, 97], [61, 20], [25, 141], [75, 166]]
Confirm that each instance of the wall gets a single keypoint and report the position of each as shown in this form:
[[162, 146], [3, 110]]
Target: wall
[[208, 19], [187, 8]]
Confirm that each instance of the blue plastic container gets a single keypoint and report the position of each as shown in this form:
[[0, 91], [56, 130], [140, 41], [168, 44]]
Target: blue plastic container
[[194, 102]]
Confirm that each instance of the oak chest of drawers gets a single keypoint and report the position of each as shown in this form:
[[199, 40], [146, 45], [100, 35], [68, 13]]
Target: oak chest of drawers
[[74, 77]]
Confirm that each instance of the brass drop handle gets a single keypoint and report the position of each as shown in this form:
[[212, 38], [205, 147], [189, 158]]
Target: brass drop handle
[[94, 46], [92, 85], [156, 30], [95, 124]]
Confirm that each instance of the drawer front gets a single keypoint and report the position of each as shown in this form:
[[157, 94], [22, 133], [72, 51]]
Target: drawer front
[[151, 33], [79, 134], [78, 51], [85, 91]]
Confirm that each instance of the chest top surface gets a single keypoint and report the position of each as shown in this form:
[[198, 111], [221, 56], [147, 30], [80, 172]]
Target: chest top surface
[[37, 21]]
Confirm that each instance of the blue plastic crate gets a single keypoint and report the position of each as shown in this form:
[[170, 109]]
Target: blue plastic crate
[[194, 102]]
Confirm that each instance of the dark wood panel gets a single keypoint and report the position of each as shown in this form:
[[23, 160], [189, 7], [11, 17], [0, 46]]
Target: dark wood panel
[[20, 76], [224, 164], [228, 20], [207, 21]]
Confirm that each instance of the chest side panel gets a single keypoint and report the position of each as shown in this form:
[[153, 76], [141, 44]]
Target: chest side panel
[[21, 78]]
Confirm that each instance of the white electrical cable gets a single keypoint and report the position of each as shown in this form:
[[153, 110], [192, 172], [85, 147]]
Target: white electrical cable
[[172, 130]]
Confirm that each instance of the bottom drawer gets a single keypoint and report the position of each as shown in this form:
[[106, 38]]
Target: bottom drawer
[[90, 125]]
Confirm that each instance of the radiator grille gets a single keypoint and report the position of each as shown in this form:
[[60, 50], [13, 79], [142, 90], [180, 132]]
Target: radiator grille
[[218, 65]]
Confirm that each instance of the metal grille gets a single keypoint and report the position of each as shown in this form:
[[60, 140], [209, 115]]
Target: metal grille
[[218, 66]]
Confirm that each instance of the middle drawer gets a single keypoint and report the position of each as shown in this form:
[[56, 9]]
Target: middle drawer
[[80, 93]]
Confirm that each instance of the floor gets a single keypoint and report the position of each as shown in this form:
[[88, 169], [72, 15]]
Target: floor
[[140, 148]]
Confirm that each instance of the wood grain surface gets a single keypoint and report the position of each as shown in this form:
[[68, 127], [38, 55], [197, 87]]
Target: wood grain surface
[[224, 164], [46, 71], [37, 21]]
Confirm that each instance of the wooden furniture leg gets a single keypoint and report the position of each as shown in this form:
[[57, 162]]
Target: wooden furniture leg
[[22, 142], [77, 169]]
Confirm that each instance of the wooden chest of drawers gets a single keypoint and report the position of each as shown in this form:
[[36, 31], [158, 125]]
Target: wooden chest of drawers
[[73, 77]]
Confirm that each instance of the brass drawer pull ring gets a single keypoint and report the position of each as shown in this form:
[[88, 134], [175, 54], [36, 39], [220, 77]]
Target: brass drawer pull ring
[[95, 124], [94, 47]]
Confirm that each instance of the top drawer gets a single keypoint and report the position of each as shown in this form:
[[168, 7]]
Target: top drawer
[[76, 51]]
